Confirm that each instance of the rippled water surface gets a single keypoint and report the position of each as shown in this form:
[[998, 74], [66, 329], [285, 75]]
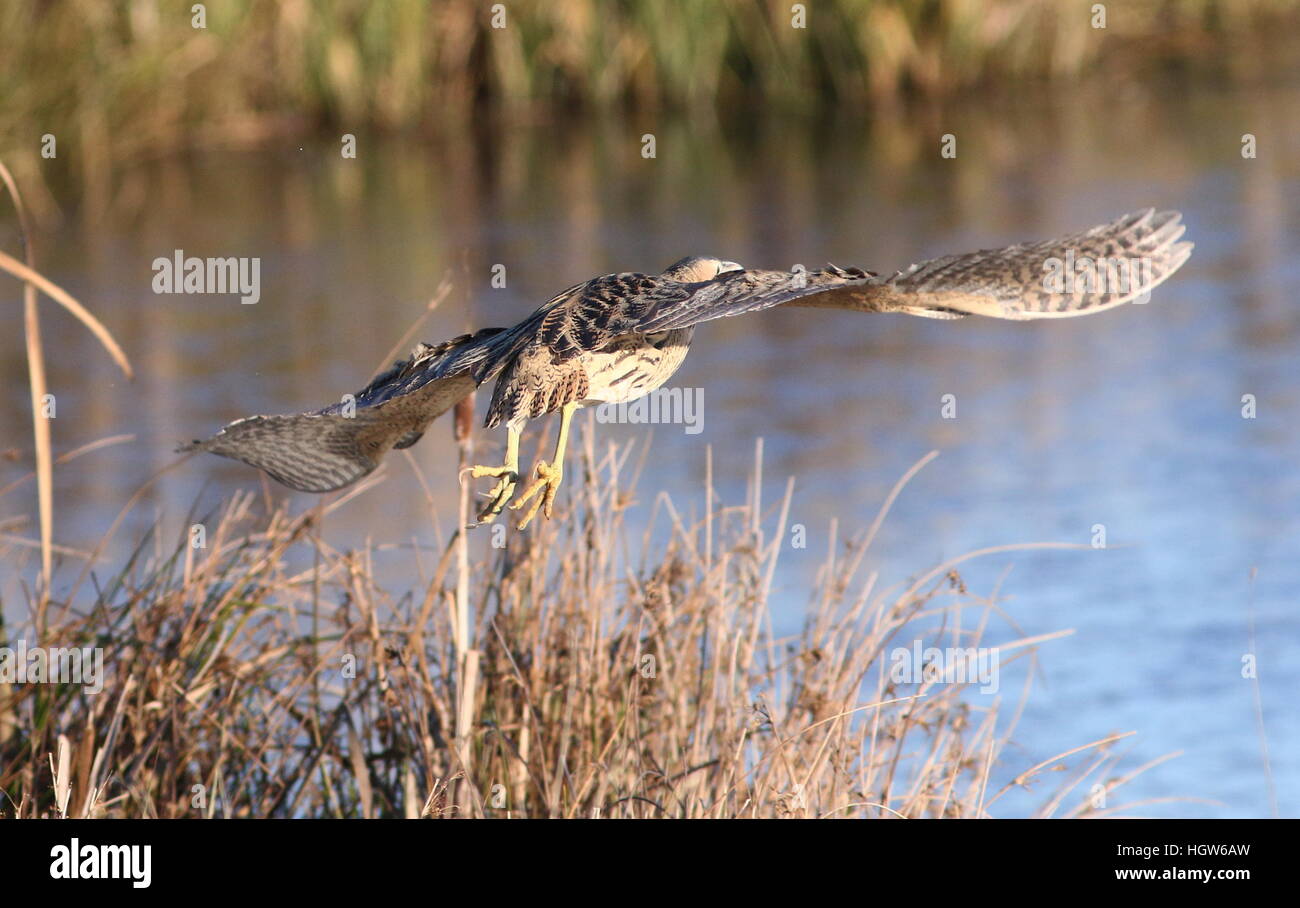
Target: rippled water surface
[[1131, 420]]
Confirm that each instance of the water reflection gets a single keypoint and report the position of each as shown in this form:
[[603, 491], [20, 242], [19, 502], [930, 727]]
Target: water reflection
[[1130, 420]]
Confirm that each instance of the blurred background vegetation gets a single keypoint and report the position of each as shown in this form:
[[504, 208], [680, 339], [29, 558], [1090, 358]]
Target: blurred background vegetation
[[135, 78]]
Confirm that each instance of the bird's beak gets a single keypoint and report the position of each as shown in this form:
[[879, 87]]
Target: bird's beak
[[724, 267]]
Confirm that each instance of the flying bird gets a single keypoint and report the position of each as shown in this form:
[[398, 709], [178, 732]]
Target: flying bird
[[615, 338]]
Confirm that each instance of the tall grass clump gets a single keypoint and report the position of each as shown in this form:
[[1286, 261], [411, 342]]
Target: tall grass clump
[[613, 673]]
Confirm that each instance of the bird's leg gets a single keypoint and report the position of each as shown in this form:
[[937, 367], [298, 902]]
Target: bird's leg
[[546, 477], [508, 475]]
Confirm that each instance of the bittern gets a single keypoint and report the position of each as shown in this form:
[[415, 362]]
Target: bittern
[[615, 338]]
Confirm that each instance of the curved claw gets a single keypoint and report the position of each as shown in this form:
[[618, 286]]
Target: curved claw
[[542, 490], [501, 492]]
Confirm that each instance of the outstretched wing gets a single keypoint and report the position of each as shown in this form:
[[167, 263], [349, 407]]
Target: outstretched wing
[[310, 452], [333, 447], [1086, 272]]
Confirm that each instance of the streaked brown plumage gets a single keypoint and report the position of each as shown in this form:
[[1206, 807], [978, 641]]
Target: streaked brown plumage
[[617, 337]]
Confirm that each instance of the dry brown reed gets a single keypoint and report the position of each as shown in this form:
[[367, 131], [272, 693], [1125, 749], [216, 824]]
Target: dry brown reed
[[39, 391], [588, 669]]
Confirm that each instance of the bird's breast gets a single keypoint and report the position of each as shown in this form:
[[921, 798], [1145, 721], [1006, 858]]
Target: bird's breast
[[633, 365]]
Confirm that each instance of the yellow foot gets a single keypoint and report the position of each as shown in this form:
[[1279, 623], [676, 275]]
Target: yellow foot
[[501, 492], [546, 481]]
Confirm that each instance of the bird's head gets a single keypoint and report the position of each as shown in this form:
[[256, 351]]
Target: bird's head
[[695, 268]]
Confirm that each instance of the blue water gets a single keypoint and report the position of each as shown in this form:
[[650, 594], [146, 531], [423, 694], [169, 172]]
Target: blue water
[[1131, 420]]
